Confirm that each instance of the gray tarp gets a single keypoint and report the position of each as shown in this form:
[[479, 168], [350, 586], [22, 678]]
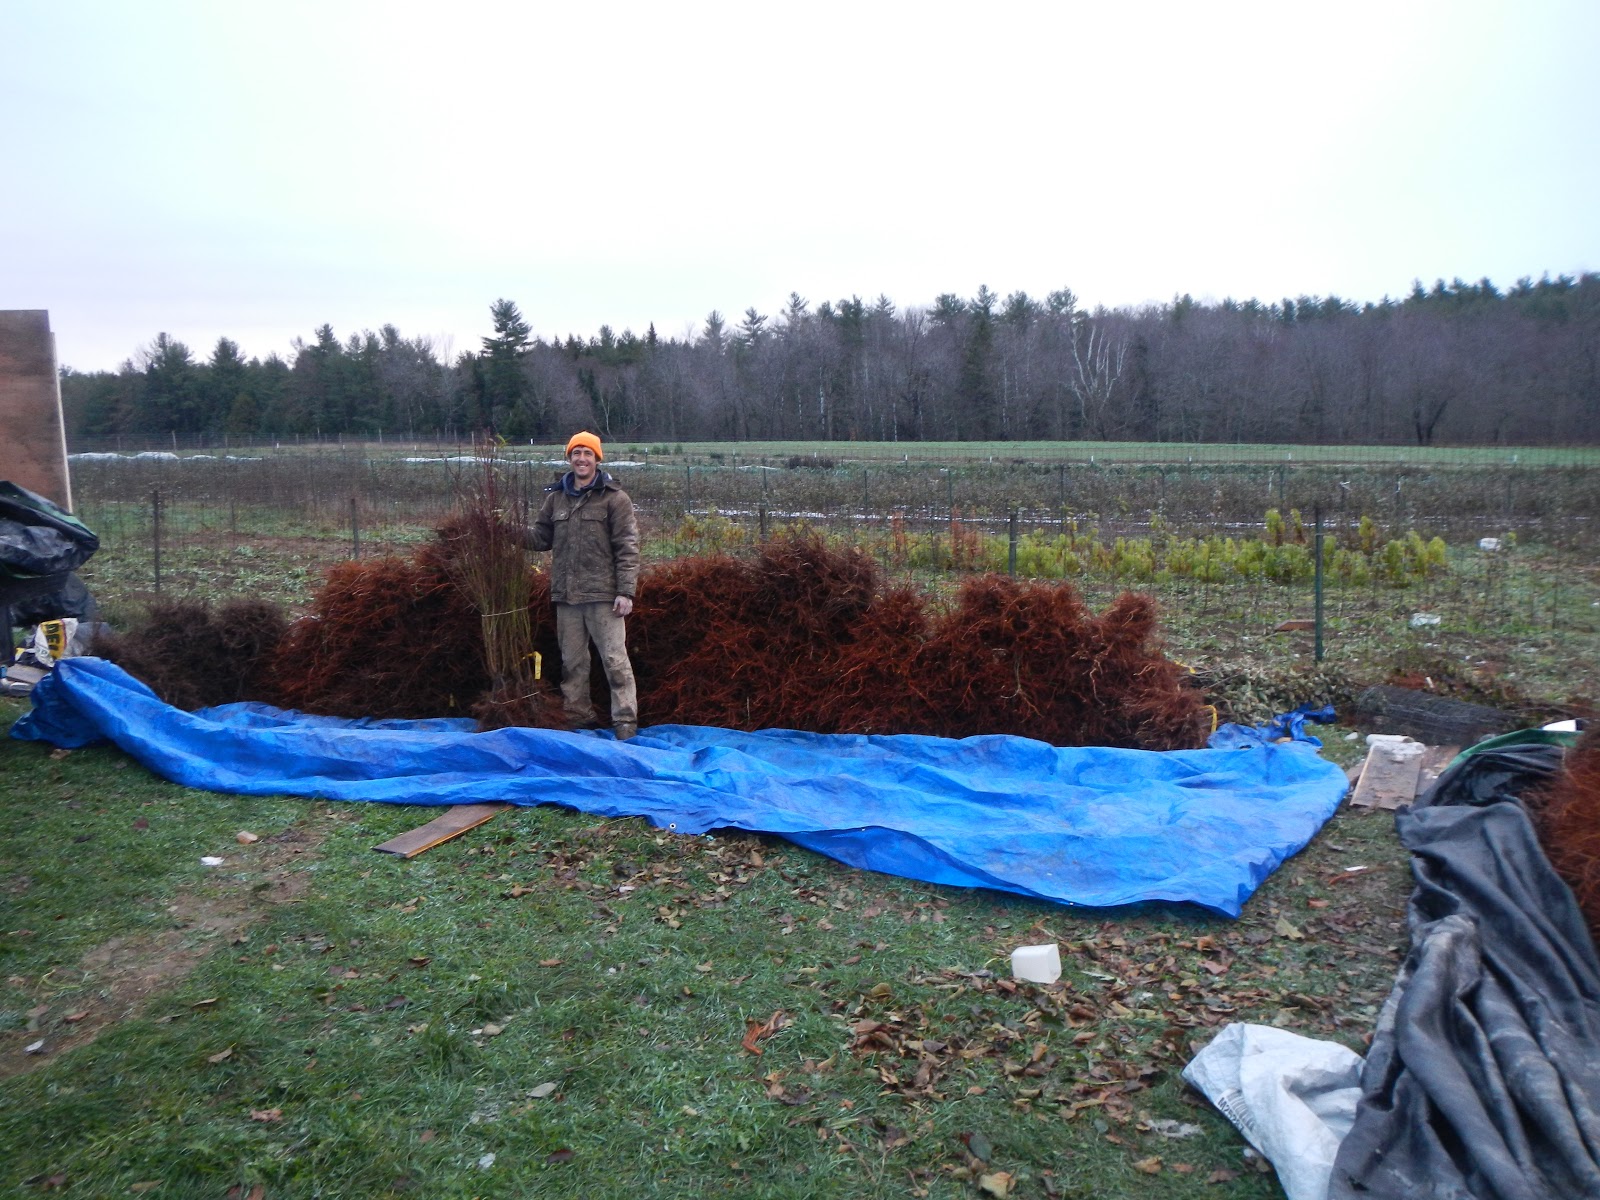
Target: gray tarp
[[1483, 1079]]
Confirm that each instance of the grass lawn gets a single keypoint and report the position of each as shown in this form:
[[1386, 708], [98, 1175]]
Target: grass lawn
[[555, 1005]]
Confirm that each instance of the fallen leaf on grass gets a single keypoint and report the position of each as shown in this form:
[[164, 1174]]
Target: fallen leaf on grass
[[58, 754], [1222, 1175], [149, 1185], [141, 824], [426, 1136], [266, 1116], [518, 891], [997, 1184], [559, 1156], [244, 837], [540, 1092], [759, 1030], [1284, 929], [1150, 1166], [1316, 903], [419, 960], [551, 962], [704, 968], [220, 1056]]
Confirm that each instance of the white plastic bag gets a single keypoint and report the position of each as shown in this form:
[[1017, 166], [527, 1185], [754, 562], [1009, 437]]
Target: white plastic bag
[[1293, 1098], [49, 641]]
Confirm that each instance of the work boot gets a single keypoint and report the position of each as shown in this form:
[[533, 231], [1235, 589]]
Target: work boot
[[626, 731]]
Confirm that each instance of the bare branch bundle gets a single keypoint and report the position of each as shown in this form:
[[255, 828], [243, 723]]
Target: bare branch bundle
[[484, 548]]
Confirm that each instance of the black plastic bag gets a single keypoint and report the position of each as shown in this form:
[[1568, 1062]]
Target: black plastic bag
[[66, 596], [37, 538]]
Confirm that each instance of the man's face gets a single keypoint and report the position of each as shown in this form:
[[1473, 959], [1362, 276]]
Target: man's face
[[583, 463]]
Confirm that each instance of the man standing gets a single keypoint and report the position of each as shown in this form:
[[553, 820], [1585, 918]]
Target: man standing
[[587, 521]]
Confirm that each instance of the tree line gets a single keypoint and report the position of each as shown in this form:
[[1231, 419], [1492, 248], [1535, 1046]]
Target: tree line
[[1460, 363]]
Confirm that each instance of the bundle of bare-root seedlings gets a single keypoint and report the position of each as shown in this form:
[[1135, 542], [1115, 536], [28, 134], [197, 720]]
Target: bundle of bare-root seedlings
[[484, 557], [801, 635]]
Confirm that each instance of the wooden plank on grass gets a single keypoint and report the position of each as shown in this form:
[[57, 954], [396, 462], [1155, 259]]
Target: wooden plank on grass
[[1389, 776], [1434, 760], [456, 820]]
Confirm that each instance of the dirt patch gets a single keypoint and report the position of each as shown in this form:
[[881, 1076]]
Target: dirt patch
[[116, 979]]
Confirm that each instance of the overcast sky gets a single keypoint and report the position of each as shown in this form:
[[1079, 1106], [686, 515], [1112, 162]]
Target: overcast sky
[[255, 169]]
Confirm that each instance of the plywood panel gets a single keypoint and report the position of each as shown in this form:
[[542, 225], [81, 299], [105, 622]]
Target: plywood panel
[[33, 446]]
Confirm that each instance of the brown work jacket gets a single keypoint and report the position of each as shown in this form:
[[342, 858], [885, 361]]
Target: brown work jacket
[[595, 542]]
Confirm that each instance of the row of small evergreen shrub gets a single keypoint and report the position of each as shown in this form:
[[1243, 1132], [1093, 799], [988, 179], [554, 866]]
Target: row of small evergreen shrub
[[1282, 553]]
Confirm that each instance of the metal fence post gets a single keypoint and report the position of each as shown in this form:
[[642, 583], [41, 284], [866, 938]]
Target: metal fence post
[[1316, 549], [155, 536], [1011, 552], [355, 529]]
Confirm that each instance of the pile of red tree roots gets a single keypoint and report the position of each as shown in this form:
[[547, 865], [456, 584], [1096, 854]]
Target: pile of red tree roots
[[798, 636], [193, 655], [1567, 815]]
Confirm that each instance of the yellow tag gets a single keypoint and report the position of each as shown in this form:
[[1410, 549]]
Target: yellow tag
[[55, 637]]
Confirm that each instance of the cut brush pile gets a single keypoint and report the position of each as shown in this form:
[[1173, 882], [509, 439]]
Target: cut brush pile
[[799, 636]]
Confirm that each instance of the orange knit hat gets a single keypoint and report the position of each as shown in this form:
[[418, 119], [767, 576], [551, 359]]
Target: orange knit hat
[[585, 438]]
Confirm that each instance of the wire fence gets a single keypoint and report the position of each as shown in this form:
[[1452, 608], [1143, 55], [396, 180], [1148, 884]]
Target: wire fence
[[1496, 543]]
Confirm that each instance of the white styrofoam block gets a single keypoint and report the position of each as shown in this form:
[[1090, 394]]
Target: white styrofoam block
[[1037, 964]]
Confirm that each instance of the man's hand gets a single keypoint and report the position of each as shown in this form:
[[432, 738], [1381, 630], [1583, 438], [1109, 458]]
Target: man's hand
[[622, 605]]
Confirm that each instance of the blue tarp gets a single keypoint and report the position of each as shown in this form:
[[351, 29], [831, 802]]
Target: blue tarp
[[1094, 826]]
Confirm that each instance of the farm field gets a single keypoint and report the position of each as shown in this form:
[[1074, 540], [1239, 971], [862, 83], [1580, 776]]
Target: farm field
[[400, 445]]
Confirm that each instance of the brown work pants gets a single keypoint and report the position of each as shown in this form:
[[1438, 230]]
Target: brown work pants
[[576, 625]]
